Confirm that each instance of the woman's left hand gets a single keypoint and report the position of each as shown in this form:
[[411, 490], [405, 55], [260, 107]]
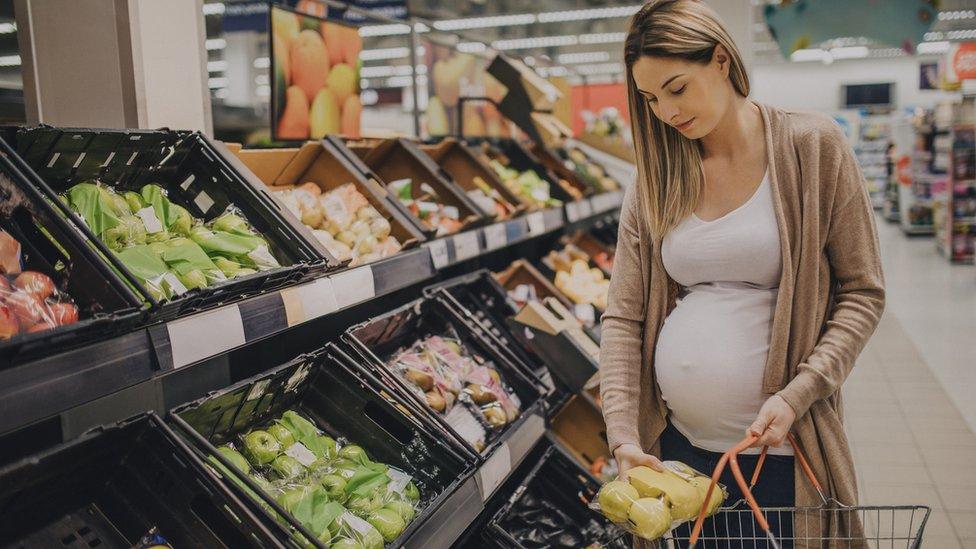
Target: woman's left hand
[[773, 423]]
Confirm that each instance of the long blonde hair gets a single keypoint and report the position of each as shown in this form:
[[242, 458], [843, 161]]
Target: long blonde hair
[[669, 167]]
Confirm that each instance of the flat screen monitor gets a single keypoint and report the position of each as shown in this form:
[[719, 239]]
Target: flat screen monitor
[[868, 95]]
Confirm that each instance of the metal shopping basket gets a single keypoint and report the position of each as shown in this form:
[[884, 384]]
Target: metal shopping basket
[[882, 526]]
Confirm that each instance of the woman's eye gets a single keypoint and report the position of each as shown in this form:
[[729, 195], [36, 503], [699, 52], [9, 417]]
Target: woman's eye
[[680, 90], [651, 99]]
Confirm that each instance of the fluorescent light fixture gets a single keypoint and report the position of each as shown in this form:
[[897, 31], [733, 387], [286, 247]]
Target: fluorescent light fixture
[[221, 93], [849, 52], [219, 82], [602, 38], [933, 36], [485, 22], [405, 81], [955, 15], [216, 44], [263, 90], [7, 28], [389, 70], [472, 47], [214, 9], [930, 48], [811, 54], [384, 30], [887, 52], [384, 53], [556, 71], [368, 97], [262, 80], [961, 34], [535, 42], [583, 57], [588, 14], [216, 66], [262, 62], [600, 68], [9, 60]]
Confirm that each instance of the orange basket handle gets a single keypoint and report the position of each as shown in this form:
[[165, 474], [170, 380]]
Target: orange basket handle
[[731, 458]]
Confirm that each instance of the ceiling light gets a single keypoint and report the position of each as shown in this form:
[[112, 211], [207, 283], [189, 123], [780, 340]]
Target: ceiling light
[[930, 48], [485, 22], [583, 57], [384, 30], [955, 15], [390, 70], [216, 44], [214, 9], [472, 47], [9, 60], [600, 68], [7, 28], [219, 82], [932, 36], [216, 66], [263, 91], [588, 14], [384, 53], [602, 38], [811, 54], [535, 42], [262, 80], [961, 34], [850, 52], [262, 63]]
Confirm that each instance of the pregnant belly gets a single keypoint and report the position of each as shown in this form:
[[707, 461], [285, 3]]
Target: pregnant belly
[[709, 362]]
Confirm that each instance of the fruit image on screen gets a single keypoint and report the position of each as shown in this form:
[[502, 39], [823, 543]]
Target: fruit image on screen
[[451, 76], [315, 63]]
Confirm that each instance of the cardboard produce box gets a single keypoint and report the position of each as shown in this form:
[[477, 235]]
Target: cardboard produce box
[[463, 166]]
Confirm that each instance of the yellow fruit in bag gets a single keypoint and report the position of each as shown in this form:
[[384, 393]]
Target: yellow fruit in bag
[[615, 499], [682, 496], [701, 484], [649, 518]]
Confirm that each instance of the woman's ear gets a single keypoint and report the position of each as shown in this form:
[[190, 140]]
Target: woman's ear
[[722, 59]]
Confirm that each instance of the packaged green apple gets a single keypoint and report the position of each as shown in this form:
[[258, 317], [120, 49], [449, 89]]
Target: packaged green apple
[[164, 246], [329, 485], [651, 503]]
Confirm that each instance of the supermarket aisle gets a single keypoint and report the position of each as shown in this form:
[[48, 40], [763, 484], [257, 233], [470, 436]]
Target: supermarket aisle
[[908, 416]]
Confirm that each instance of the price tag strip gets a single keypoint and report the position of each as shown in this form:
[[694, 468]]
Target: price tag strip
[[537, 223], [494, 471], [496, 236], [572, 212], [466, 245], [438, 253], [353, 286], [205, 334], [309, 301]]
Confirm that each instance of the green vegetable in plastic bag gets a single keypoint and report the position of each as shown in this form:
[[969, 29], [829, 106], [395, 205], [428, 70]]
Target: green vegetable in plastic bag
[[146, 266], [223, 243], [304, 431], [161, 236], [173, 216], [183, 255], [193, 279], [232, 223], [226, 266], [95, 205], [129, 232], [134, 201]]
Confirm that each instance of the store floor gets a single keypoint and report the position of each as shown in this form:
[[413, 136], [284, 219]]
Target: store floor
[[909, 402]]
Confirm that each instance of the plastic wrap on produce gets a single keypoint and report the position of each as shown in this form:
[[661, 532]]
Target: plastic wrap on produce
[[30, 301]]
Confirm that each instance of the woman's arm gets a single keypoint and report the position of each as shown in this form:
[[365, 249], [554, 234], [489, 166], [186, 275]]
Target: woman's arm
[[855, 264], [622, 331]]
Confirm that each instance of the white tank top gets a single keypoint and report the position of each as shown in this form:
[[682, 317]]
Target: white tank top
[[712, 349]]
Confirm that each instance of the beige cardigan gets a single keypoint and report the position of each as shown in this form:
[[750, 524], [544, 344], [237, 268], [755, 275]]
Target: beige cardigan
[[830, 299]]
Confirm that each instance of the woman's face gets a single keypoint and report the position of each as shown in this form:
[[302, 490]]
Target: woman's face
[[692, 97]]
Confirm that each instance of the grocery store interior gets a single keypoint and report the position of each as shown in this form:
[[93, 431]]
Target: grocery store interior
[[312, 273]]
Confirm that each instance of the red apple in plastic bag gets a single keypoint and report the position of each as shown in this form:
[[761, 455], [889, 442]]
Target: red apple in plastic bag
[[9, 326], [37, 284], [27, 308], [9, 254], [63, 313]]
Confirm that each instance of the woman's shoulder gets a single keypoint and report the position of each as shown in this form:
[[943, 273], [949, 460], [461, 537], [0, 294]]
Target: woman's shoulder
[[812, 131]]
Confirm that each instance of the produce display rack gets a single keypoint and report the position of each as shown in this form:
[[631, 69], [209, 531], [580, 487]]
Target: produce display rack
[[44, 395]]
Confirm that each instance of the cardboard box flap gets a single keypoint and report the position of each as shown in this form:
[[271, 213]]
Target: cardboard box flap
[[267, 164], [293, 173]]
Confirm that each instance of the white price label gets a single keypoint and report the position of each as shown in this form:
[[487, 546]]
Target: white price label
[[495, 236], [353, 286], [309, 301], [466, 245], [585, 208], [572, 212], [206, 334], [438, 253], [301, 454], [494, 471], [537, 223], [149, 220]]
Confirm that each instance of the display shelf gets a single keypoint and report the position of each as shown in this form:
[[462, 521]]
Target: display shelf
[[43, 388]]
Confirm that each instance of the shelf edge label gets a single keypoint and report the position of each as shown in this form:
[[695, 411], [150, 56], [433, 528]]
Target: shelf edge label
[[205, 334], [496, 236], [309, 301], [438, 253], [353, 286], [537, 223], [466, 245], [494, 471]]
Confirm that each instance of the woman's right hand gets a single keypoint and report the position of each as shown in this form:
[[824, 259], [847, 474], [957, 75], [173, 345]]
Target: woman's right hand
[[630, 456]]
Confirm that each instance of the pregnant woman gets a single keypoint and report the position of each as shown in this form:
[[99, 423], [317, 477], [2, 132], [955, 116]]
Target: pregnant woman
[[747, 277]]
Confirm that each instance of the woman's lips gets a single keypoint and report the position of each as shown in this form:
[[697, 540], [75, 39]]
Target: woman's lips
[[685, 126]]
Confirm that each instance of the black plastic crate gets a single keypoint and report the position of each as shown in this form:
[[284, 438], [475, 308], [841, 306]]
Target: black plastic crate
[[49, 244], [194, 175], [341, 402], [379, 339], [513, 154], [555, 492], [110, 486]]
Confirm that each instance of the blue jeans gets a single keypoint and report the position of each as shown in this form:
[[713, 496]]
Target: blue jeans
[[737, 529]]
